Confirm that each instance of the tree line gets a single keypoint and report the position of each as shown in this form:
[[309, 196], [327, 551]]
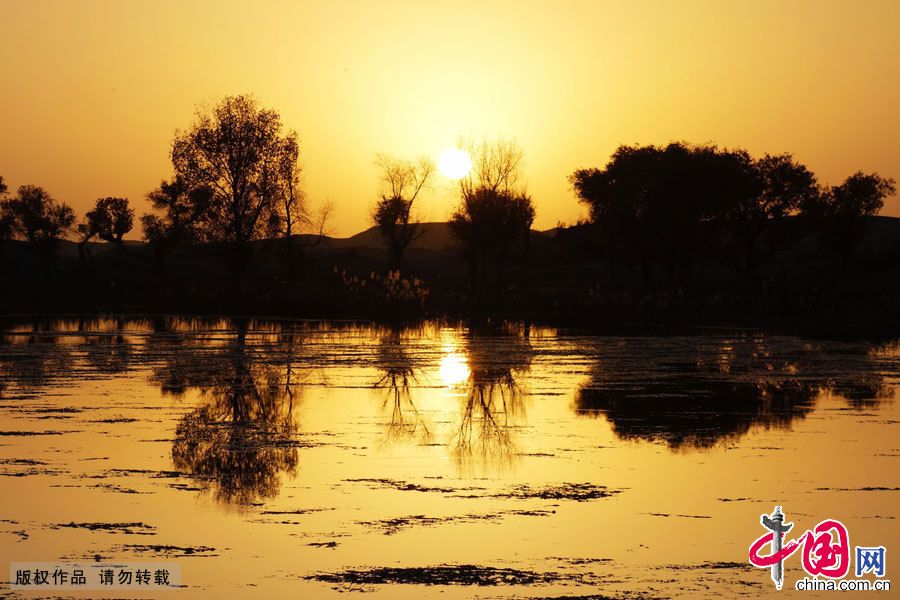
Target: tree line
[[237, 180], [680, 202]]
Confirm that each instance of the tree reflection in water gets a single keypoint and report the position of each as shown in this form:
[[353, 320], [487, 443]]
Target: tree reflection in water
[[242, 437], [32, 357], [485, 379], [399, 372], [493, 404], [693, 393], [107, 349], [688, 393]]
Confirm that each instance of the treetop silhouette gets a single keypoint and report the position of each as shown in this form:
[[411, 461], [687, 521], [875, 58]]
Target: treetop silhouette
[[238, 151], [394, 213], [35, 215], [495, 211]]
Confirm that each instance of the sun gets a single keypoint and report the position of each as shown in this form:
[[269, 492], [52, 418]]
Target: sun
[[454, 163]]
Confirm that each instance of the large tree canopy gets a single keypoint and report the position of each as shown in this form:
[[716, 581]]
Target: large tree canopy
[[110, 219], [495, 211], [235, 149], [37, 217], [861, 194], [662, 202], [667, 185], [666, 203], [179, 209], [787, 186]]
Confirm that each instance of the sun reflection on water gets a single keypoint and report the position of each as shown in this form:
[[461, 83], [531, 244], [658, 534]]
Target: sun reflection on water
[[454, 369]]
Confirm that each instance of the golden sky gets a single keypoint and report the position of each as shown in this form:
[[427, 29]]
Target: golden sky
[[92, 92]]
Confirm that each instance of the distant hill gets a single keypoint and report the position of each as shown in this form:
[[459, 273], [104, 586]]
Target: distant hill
[[436, 237], [880, 240]]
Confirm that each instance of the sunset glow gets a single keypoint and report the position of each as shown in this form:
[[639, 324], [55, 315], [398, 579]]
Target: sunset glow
[[478, 299], [569, 82]]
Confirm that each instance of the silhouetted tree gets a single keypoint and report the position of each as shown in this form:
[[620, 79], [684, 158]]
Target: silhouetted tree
[[496, 165], [85, 232], [664, 203], [7, 219], [7, 225], [38, 217], [233, 149], [495, 211], [181, 208], [860, 195], [110, 220], [291, 206], [785, 186], [667, 204], [839, 210], [489, 223], [394, 213], [291, 213]]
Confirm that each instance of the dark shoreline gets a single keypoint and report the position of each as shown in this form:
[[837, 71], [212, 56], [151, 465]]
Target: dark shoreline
[[805, 290], [840, 325]]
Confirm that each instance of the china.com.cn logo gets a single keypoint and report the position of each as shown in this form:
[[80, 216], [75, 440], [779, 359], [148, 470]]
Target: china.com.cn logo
[[825, 552]]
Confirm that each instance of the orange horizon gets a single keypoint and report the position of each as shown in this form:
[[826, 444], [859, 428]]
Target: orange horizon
[[95, 90]]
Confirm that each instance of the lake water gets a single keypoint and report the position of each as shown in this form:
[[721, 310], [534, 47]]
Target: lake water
[[303, 460]]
